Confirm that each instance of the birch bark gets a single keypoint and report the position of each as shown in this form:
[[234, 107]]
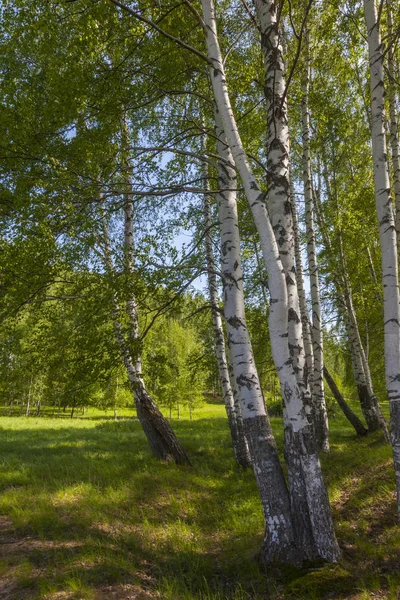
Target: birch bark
[[305, 320], [279, 535], [278, 164], [393, 122], [387, 232], [319, 404], [158, 431], [368, 401], [309, 501], [235, 420]]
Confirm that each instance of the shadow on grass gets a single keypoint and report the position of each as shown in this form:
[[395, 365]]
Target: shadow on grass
[[89, 507]]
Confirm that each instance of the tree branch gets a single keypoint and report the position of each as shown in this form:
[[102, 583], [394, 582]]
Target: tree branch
[[174, 39]]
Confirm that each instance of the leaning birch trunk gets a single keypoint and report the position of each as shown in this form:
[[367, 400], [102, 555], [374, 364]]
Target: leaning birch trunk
[[312, 520], [162, 440], [366, 404], [366, 393], [349, 414], [279, 535], [393, 124], [319, 404], [387, 233], [235, 420], [368, 401]]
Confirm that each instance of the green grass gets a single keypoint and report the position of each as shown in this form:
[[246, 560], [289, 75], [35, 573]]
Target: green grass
[[87, 513]]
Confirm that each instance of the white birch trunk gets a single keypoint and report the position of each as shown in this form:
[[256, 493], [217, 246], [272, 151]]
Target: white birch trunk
[[387, 232], [159, 433], [279, 535], [310, 507], [305, 319], [368, 401], [131, 308], [235, 420], [28, 403], [393, 124], [319, 404], [278, 165]]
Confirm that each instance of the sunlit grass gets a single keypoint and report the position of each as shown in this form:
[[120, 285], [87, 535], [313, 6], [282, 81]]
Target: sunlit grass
[[87, 509]]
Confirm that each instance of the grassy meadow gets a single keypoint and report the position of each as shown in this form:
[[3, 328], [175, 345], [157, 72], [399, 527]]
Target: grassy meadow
[[87, 513]]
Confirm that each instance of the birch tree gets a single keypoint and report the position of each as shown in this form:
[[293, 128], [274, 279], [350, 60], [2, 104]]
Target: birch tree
[[232, 406], [361, 370], [350, 415], [387, 231], [278, 181], [279, 534], [393, 120], [309, 501], [321, 415], [305, 319], [158, 431]]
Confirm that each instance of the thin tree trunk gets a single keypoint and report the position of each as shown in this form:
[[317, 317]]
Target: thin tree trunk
[[305, 320], [235, 421], [393, 121], [260, 272], [349, 414], [311, 514], [279, 535], [28, 403], [387, 232], [368, 401], [158, 431], [319, 405], [115, 400], [11, 402]]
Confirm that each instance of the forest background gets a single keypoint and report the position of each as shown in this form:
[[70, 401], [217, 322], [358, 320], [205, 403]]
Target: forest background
[[117, 138]]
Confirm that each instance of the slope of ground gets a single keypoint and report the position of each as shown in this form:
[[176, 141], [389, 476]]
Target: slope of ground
[[87, 513]]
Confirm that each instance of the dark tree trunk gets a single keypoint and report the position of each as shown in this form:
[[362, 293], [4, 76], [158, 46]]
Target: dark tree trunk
[[349, 414], [239, 442], [311, 515], [279, 545], [158, 431], [368, 409]]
